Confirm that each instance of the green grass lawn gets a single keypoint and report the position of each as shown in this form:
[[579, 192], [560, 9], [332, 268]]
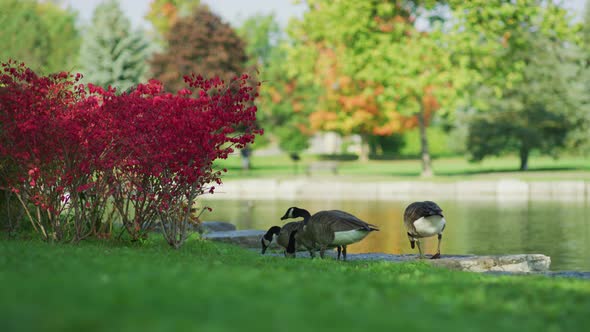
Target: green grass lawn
[[446, 169], [212, 287]]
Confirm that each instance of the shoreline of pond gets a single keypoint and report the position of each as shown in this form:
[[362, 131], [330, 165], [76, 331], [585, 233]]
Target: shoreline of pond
[[506, 264], [334, 189]]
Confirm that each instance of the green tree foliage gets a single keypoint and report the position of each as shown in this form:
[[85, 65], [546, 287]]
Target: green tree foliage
[[20, 33], [538, 113], [63, 37], [281, 105], [580, 136], [386, 146], [200, 44], [261, 34], [112, 53], [285, 104], [393, 70], [488, 33], [43, 35], [527, 76], [586, 29]]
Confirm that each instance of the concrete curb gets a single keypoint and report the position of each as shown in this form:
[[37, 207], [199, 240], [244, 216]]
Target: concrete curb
[[503, 190]]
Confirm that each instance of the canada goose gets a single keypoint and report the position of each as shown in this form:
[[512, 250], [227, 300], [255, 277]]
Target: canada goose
[[424, 219], [291, 246], [330, 228], [281, 236], [278, 235]]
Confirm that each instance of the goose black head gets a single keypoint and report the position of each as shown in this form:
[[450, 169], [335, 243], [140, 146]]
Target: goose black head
[[295, 212], [291, 213], [269, 237]]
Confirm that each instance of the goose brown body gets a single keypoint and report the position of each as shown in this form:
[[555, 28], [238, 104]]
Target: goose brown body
[[330, 228], [286, 230], [282, 235], [325, 226], [424, 219]]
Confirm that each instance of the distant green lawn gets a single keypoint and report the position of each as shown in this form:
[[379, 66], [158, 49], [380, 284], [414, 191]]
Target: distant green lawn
[[212, 287], [446, 169]]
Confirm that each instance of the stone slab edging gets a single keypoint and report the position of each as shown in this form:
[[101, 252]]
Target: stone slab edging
[[521, 263], [316, 188], [553, 274], [249, 238], [511, 265]]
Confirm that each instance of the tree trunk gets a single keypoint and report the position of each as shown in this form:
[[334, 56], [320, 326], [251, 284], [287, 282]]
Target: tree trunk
[[245, 153], [426, 163], [365, 149], [524, 158]]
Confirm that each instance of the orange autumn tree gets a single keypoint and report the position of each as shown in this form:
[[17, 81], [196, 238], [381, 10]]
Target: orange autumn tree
[[395, 72], [352, 107]]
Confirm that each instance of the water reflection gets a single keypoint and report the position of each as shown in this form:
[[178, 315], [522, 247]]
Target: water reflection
[[558, 229]]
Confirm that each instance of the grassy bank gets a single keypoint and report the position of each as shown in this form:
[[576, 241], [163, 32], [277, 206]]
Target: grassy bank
[[213, 287], [446, 169]]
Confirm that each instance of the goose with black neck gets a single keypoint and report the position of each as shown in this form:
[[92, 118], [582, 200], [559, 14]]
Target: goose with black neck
[[330, 228]]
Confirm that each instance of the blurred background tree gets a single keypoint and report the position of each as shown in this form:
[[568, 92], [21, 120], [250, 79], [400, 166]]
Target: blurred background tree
[[201, 44], [283, 105], [528, 83], [163, 14], [538, 113], [64, 38], [262, 34], [112, 53], [580, 136], [43, 35], [387, 76]]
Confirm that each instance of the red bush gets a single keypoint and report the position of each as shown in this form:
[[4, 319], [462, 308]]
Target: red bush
[[149, 151], [39, 139]]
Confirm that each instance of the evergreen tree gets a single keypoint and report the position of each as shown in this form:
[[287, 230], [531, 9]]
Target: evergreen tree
[[112, 53]]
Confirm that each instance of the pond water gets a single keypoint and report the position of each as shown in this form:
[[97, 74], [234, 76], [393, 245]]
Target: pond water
[[558, 229]]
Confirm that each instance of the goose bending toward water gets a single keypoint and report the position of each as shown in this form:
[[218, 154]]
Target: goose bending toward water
[[424, 219], [330, 228], [283, 235]]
